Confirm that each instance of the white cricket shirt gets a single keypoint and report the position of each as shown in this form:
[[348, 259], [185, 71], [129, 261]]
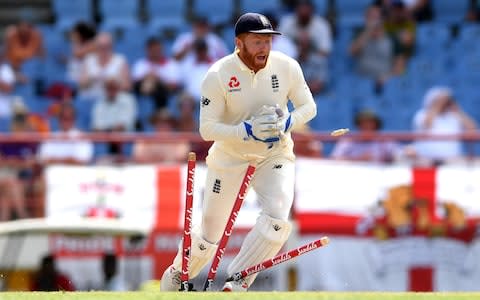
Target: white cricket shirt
[[232, 93]]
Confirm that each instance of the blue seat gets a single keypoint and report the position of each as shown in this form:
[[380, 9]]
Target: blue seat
[[69, 12], [119, 13], [450, 12], [424, 70], [218, 12], [167, 14], [351, 12], [432, 37], [5, 124], [84, 108], [468, 40], [260, 6], [468, 68], [321, 7]]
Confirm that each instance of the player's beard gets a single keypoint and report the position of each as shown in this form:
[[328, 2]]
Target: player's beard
[[251, 60]]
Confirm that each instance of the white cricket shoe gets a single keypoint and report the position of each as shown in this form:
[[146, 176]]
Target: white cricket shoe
[[170, 280], [235, 286]]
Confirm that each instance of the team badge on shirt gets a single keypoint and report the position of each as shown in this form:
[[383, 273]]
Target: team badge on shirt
[[234, 84], [275, 84]]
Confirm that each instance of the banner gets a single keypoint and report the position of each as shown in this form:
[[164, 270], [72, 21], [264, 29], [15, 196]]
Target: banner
[[393, 227]]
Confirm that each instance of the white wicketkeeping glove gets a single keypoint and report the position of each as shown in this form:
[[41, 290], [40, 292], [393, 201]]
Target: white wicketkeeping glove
[[284, 123], [263, 126]]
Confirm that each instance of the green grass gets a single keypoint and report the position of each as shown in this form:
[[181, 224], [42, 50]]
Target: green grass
[[233, 296]]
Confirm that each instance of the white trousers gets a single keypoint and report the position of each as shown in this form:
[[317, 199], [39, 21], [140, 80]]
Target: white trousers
[[273, 182]]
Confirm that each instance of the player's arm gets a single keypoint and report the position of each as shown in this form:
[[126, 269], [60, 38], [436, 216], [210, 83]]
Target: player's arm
[[304, 104], [261, 127]]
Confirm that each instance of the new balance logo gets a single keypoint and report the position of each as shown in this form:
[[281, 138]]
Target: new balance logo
[[277, 166], [276, 227], [202, 247], [216, 186], [205, 101], [275, 84]]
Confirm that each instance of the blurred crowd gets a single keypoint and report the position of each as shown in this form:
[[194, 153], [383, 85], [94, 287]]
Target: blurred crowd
[[105, 91]]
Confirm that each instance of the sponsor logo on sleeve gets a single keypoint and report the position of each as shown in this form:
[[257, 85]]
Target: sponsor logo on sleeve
[[205, 101]]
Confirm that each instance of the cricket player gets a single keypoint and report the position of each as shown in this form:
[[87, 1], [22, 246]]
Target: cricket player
[[244, 111]]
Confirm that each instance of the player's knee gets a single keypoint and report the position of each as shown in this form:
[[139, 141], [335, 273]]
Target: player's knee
[[273, 229], [212, 229]]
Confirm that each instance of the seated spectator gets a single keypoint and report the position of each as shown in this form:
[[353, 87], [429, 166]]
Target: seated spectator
[[281, 43], [314, 66], [183, 46], [441, 114], [305, 145], [7, 83], [373, 49], [17, 165], [23, 41], [156, 75], [304, 19], [102, 65], [194, 68], [368, 124], [115, 112], [186, 120], [112, 280], [421, 10], [49, 279], [151, 152], [401, 27], [82, 40], [66, 152]]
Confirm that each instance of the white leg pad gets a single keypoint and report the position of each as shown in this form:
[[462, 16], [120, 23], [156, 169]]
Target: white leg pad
[[263, 242], [202, 252]]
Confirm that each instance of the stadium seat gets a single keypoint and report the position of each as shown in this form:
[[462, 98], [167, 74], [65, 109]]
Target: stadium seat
[[321, 7], [468, 39], [218, 12], [119, 13], [5, 124], [84, 107], [450, 12], [425, 70], [260, 6], [432, 37], [69, 12], [351, 12], [167, 15]]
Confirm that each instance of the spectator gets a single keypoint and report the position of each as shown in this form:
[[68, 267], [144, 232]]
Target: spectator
[[115, 112], [183, 46], [421, 10], [186, 120], [373, 49], [365, 149], [305, 145], [400, 26], [82, 39], [17, 161], [7, 82], [67, 152], [314, 66], [102, 65], [49, 279], [281, 43], [441, 114], [156, 75], [194, 68], [112, 280], [23, 42], [304, 19], [148, 152]]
